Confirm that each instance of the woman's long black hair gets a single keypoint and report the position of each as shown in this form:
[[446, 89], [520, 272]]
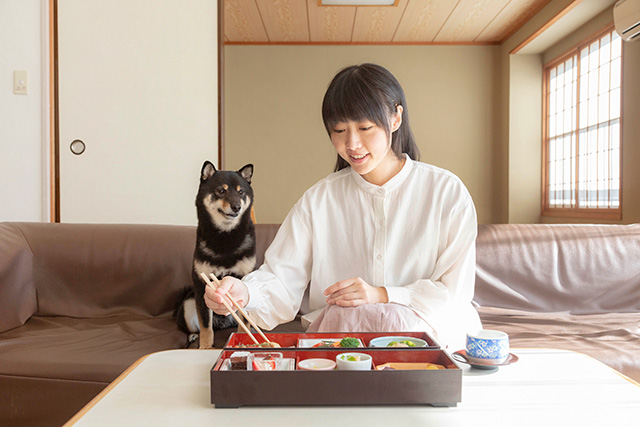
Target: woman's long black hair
[[368, 92]]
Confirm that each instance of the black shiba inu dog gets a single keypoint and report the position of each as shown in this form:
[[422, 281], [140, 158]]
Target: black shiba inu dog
[[225, 244]]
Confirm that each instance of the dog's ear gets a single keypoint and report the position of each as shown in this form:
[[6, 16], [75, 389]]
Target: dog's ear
[[207, 171], [247, 172]]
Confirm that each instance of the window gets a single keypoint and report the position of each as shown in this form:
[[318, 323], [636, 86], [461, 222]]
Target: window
[[582, 131]]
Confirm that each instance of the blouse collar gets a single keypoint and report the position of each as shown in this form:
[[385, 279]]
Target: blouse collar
[[392, 184]]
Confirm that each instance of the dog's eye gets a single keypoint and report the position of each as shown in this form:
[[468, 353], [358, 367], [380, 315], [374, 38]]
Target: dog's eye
[[241, 192], [220, 191]]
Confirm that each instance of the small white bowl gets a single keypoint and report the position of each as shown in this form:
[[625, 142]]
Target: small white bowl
[[317, 365], [385, 341], [353, 362]]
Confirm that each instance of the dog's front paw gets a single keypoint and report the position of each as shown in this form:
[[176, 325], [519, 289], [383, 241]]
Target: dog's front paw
[[206, 339]]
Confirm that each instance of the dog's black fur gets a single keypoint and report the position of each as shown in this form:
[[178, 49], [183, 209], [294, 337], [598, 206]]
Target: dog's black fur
[[225, 244]]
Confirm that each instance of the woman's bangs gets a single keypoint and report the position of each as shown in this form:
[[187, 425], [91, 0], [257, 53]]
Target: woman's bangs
[[346, 104]]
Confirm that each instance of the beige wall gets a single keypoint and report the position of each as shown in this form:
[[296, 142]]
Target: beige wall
[[273, 118], [525, 134]]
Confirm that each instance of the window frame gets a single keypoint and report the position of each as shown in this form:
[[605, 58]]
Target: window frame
[[577, 211]]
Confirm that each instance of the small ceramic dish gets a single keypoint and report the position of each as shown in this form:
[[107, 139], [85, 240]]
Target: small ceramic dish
[[317, 365], [353, 362], [404, 342]]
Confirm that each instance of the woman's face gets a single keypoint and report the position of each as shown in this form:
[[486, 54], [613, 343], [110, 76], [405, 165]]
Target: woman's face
[[367, 148]]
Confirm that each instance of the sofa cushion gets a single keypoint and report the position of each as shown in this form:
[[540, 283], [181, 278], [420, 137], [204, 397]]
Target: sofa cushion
[[95, 350], [553, 268], [612, 338]]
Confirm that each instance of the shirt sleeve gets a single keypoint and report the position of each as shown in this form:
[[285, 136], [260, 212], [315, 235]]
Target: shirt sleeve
[[453, 279], [277, 287]]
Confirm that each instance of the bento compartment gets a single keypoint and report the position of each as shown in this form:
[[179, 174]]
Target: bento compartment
[[243, 361], [308, 340], [243, 340]]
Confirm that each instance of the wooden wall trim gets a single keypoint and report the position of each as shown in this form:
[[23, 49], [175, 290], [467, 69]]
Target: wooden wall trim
[[54, 173], [544, 27], [221, 152], [303, 43]]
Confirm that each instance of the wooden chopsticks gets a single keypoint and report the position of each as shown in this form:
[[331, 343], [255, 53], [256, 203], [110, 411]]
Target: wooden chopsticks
[[240, 309]]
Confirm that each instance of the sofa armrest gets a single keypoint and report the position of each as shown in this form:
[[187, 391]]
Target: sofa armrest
[[17, 291]]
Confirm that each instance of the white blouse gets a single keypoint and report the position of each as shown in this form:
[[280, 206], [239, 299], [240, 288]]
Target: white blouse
[[414, 235]]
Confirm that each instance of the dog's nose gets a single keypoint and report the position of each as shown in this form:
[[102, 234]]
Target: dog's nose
[[235, 207]]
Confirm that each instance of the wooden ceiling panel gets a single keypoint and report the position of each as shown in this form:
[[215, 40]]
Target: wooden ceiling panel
[[512, 17], [422, 20], [285, 20], [377, 24], [406, 22], [330, 24], [469, 19], [242, 22]]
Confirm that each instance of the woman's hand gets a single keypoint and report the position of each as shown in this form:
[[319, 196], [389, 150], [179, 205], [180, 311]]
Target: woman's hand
[[232, 286], [354, 292]]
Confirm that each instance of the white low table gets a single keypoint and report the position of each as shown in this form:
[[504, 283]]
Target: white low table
[[545, 387]]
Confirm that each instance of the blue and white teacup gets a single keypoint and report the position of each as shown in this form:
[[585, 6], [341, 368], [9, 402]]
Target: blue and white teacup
[[487, 347]]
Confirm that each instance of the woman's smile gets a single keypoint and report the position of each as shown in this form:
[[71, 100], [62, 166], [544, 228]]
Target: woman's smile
[[358, 158]]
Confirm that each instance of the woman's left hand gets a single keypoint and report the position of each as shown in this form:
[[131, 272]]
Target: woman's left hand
[[354, 292]]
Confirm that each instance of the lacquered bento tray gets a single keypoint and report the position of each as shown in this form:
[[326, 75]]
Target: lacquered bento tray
[[440, 387]]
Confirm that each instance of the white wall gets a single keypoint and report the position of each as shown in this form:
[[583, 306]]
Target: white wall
[[21, 143]]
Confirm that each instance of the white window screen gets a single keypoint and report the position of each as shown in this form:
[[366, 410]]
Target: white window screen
[[583, 127]]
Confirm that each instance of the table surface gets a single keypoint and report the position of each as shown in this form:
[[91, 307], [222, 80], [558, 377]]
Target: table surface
[[555, 387]]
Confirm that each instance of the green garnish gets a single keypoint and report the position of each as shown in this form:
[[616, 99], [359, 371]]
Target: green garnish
[[349, 342]]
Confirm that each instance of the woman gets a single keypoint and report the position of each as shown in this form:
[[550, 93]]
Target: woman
[[383, 243]]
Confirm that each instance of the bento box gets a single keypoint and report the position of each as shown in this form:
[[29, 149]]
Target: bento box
[[271, 377]]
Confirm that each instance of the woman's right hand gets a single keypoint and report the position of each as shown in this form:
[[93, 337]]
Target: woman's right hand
[[234, 287]]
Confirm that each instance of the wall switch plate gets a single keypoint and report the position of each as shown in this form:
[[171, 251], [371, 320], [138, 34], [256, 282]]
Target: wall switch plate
[[20, 82]]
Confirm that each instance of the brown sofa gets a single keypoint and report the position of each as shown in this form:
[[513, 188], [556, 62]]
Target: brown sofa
[[80, 303], [572, 287]]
